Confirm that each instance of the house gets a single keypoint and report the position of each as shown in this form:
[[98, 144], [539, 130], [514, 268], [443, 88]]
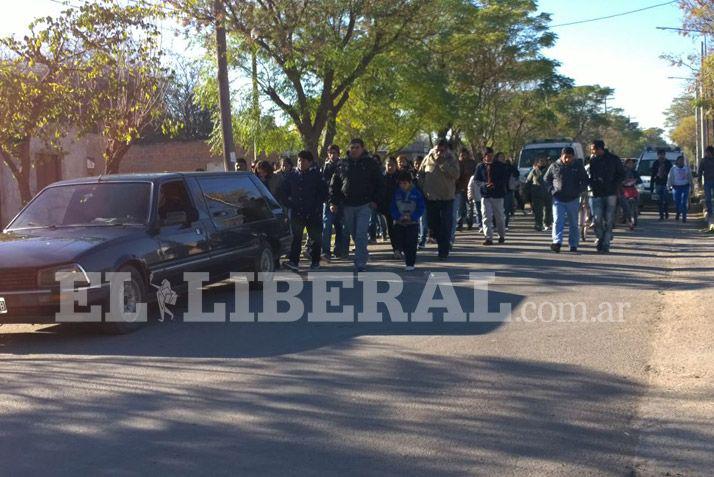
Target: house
[[75, 157]]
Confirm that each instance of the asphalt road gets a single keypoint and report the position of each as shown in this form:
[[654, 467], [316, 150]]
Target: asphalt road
[[535, 395]]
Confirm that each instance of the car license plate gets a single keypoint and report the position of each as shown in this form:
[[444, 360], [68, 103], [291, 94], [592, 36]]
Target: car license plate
[[3, 306]]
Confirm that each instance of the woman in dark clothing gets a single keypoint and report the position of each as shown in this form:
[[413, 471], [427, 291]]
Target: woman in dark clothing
[[390, 186]]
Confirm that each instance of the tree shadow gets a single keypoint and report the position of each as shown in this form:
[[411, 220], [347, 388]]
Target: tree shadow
[[334, 411]]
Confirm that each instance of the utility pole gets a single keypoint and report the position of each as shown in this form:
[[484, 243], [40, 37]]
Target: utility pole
[[224, 94], [256, 98]]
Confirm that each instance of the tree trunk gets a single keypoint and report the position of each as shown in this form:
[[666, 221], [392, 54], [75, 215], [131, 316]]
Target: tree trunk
[[330, 133]]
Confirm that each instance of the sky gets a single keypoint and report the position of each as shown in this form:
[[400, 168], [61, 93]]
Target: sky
[[622, 53]]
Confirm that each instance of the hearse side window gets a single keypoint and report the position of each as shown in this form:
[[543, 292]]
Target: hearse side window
[[234, 200], [173, 198]]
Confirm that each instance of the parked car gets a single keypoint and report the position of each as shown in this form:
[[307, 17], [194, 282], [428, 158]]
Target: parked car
[[153, 226]]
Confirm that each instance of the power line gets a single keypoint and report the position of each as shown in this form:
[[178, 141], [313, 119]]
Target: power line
[[579, 22]]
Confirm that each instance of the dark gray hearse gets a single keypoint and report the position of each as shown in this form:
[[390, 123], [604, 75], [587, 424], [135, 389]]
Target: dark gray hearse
[[154, 226]]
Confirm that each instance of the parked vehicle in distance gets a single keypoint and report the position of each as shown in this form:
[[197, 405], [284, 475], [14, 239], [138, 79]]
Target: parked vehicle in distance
[[153, 226], [549, 148], [644, 168]]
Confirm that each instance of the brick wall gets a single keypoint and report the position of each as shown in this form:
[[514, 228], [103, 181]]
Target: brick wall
[[174, 156]]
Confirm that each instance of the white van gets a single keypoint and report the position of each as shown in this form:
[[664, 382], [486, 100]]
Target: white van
[[644, 167], [549, 148]]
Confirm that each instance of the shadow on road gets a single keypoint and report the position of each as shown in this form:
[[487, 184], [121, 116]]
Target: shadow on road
[[336, 411]]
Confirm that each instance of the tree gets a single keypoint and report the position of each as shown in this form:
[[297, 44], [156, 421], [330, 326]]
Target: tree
[[49, 78], [128, 82], [685, 135], [36, 93], [311, 52]]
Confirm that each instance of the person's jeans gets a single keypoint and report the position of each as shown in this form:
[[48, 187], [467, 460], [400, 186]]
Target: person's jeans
[[538, 205], [681, 200], [603, 210], [508, 206], [405, 237], [356, 222], [662, 200], [330, 220], [492, 209], [629, 209], [566, 211], [708, 195], [459, 202], [423, 229], [441, 214], [373, 224], [314, 233]]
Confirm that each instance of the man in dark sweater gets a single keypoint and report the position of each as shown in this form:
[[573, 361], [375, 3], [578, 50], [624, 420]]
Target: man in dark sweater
[[606, 175], [330, 219], [566, 179], [357, 186], [491, 177], [305, 192], [706, 174], [658, 182]]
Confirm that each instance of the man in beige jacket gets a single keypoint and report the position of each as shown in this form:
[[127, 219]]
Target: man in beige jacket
[[440, 171]]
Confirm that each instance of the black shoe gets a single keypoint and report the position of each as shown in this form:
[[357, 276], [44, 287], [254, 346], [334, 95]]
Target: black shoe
[[469, 227], [555, 247], [677, 218], [501, 239], [661, 218], [291, 266], [488, 242], [573, 249], [460, 228], [443, 258]]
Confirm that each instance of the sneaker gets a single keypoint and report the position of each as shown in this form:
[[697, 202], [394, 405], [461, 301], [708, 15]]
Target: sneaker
[[573, 249], [409, 268], [469, 227], [488, 242], [315, 266], [291, 266], [555, 247], [360, 269], [501, 239], [460, 228], [546, 229], [421, 246], [397, 255], [684, 219], [326, 257], [677, 218]]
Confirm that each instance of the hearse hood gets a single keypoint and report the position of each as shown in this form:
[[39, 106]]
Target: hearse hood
[[45, 247]]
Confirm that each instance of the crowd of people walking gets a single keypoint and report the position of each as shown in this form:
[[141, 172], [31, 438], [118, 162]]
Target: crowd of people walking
[[353, 199]]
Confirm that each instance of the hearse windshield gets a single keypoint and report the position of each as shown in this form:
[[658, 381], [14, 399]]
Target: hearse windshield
[[83, 205]]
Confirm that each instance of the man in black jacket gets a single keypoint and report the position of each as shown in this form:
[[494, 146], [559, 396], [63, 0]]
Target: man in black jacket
[[491, 177], [658, 182], [706, 175], [305, 193], [606, 176], [566, 179], [357, 186], [330, 219]]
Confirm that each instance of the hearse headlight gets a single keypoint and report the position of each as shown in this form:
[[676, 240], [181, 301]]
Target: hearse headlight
[[50, 277]]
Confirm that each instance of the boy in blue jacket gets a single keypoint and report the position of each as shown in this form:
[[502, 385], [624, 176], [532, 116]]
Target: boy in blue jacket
[[407, 208]]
